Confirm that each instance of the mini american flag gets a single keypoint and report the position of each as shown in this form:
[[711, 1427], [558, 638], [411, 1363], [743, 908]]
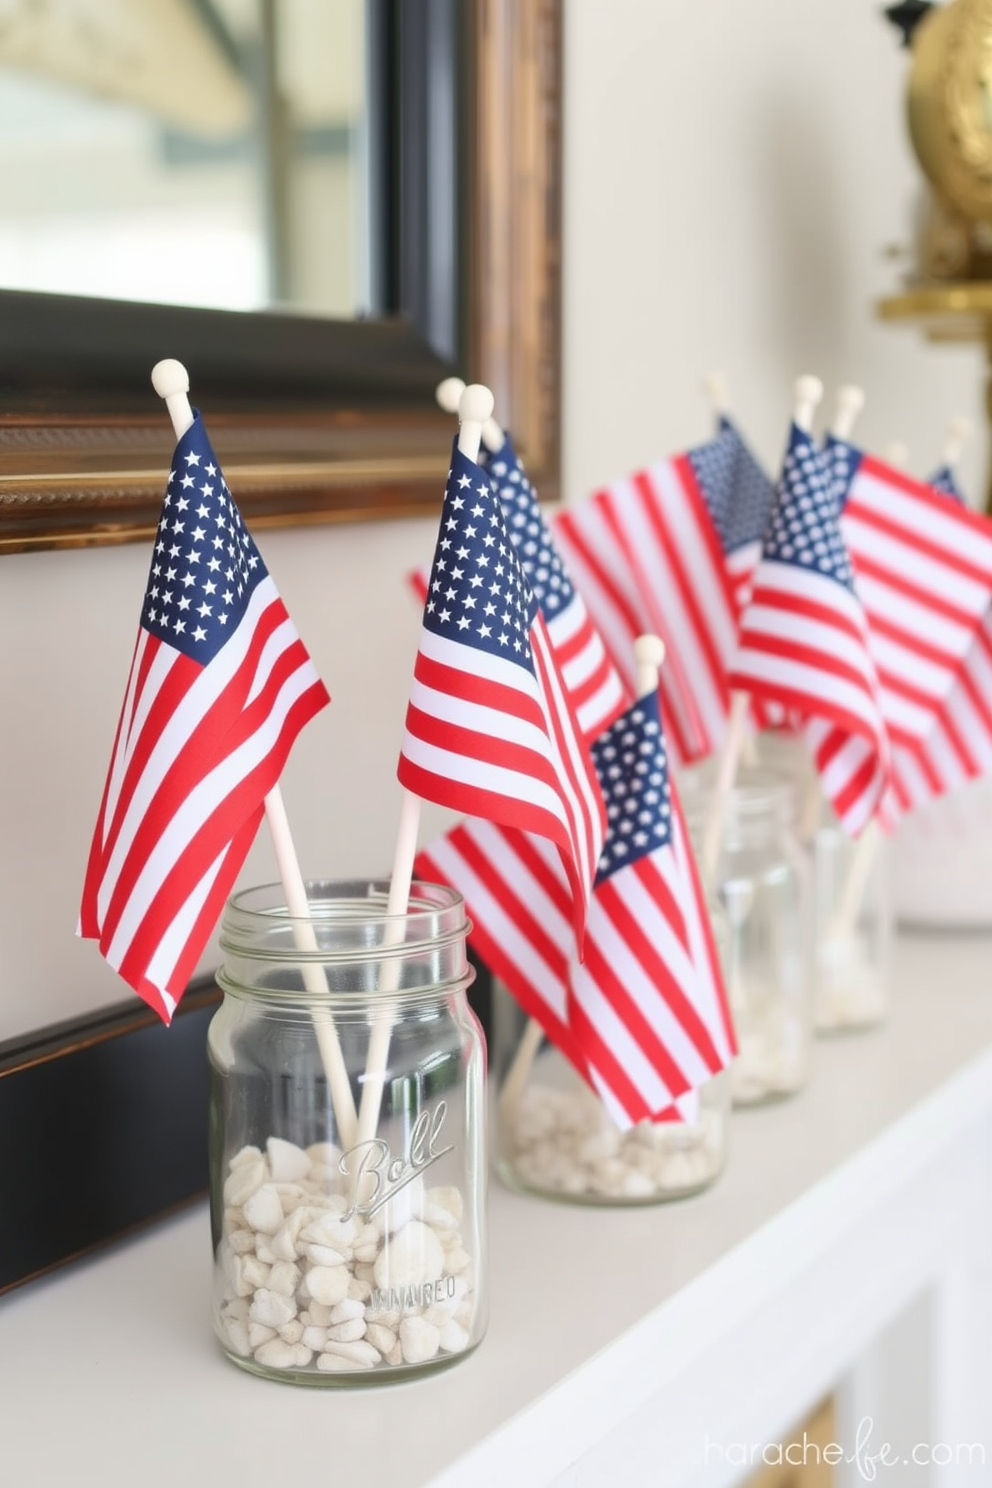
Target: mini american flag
[[804, 638], [923, 566], [220, 685], [644, 1016], [671, 550], [490, 730]]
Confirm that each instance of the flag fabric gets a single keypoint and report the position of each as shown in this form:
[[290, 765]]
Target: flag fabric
[[923, 567], [491, 730], [644, 1016], [804, 638], [220, 685], [593, 683], [944, 482], [671, 550]]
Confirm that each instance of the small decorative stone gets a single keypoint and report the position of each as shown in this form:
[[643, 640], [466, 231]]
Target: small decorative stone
[[263, 1209], [411, 1256], [287, 1162], [419, 1340]]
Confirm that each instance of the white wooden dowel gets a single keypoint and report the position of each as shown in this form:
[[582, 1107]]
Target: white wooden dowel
[[717, 389], [850, 401], [397, 905], [855, 884], [729, 760], [808, 392], [171, 381], [958, 434]]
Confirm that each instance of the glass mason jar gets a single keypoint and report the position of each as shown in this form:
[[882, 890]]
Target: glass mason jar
[[349, 1246], [852, 907], [763, 883], [852, 927], [556, 1139]]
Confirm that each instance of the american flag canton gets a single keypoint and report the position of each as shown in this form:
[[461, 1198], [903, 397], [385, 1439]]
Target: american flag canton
[[842, 460], [736, 490], [204, 564], [942, 481], [543, 569], [632, 765], [477, 593], [804, 531]]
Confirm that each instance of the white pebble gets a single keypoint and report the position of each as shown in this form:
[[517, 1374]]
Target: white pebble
[[244, 1180], [263, 1209], [419, 1340], [259, 1333], [271, 1308], [338, 1364], [328, 1284], [278, 1354], [315, 1338], [241, 1241], [453, 1338], [236, 1333], [382, 1338], [344, 1312], [284, 1277], [411, 1256], [287, 1162], [347, 1332], [291, 1332], [359, 1352], [246, 1155]]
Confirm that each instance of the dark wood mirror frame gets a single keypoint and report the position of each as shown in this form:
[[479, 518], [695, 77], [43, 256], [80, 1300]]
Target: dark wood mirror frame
[[320, 420]]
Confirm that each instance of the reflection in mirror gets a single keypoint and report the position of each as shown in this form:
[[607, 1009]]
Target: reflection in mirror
[[196, 152]]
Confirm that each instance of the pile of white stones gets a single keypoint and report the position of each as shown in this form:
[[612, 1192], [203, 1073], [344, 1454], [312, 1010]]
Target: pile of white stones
[[772, 1060], [563, 1141], [850, 990], [304, 1284]]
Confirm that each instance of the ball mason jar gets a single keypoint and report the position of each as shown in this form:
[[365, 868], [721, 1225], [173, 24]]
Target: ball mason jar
[[763, 882], [349, 1244], [556, 1139]]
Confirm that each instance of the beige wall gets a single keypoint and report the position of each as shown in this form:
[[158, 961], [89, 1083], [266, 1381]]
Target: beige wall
[[733, 173]]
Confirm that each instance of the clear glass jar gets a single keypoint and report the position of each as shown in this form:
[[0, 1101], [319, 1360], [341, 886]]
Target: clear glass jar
[[556, 1139], [349, 1246], [853, 928], [852, 901], [763, 882]]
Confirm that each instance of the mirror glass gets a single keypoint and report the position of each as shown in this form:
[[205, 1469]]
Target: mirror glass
[[210, 153]]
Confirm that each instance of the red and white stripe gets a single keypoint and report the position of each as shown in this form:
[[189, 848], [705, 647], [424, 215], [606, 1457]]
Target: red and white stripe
[[197, 750], [645, 556], [804, 644], [594, 685], [643, 1017], [488, 737]]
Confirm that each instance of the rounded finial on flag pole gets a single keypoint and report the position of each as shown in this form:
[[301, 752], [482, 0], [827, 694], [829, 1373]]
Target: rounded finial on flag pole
[[448, 394], [808, 392], [958, 434], [850, 401], [649, 654], [475, 406], [717, 389], [171, 381]]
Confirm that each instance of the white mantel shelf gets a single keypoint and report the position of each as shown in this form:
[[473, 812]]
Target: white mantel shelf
[[625, 1346]]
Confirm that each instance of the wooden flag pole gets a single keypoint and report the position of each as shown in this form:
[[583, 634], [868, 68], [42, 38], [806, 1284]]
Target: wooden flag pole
[[958, 434], [808, 392], [171, 381], [475, 406]]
